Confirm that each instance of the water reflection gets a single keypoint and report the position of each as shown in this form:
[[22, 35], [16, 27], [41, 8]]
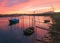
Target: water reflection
[[14, 33]]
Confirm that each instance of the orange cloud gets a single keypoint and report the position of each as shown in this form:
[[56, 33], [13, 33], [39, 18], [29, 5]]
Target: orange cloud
[[30, 4]]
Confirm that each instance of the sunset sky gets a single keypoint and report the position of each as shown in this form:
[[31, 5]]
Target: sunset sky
[[28, 6]]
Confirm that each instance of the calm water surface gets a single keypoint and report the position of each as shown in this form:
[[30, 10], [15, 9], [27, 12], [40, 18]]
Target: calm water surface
[[14, 33]]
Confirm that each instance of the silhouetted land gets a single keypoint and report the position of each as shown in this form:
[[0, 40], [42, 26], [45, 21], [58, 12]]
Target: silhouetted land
[[56, 20], [11, 15]]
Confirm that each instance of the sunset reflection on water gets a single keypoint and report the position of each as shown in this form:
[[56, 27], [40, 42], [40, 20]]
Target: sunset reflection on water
[[14, 33]]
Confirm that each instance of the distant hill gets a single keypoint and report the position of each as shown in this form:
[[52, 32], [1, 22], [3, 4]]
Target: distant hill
[[43, 14]]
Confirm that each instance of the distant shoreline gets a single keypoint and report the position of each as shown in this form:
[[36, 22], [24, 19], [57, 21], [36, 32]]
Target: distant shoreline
[[15, 15]]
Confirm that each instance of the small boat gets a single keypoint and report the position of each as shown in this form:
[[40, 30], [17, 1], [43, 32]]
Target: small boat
[[13, 21], [46, 21], [29, 31]]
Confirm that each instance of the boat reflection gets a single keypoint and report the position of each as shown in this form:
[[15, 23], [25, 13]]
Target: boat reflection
[[14, 33]]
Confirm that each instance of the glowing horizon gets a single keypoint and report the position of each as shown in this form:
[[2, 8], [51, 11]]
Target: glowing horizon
[[27, 6]]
